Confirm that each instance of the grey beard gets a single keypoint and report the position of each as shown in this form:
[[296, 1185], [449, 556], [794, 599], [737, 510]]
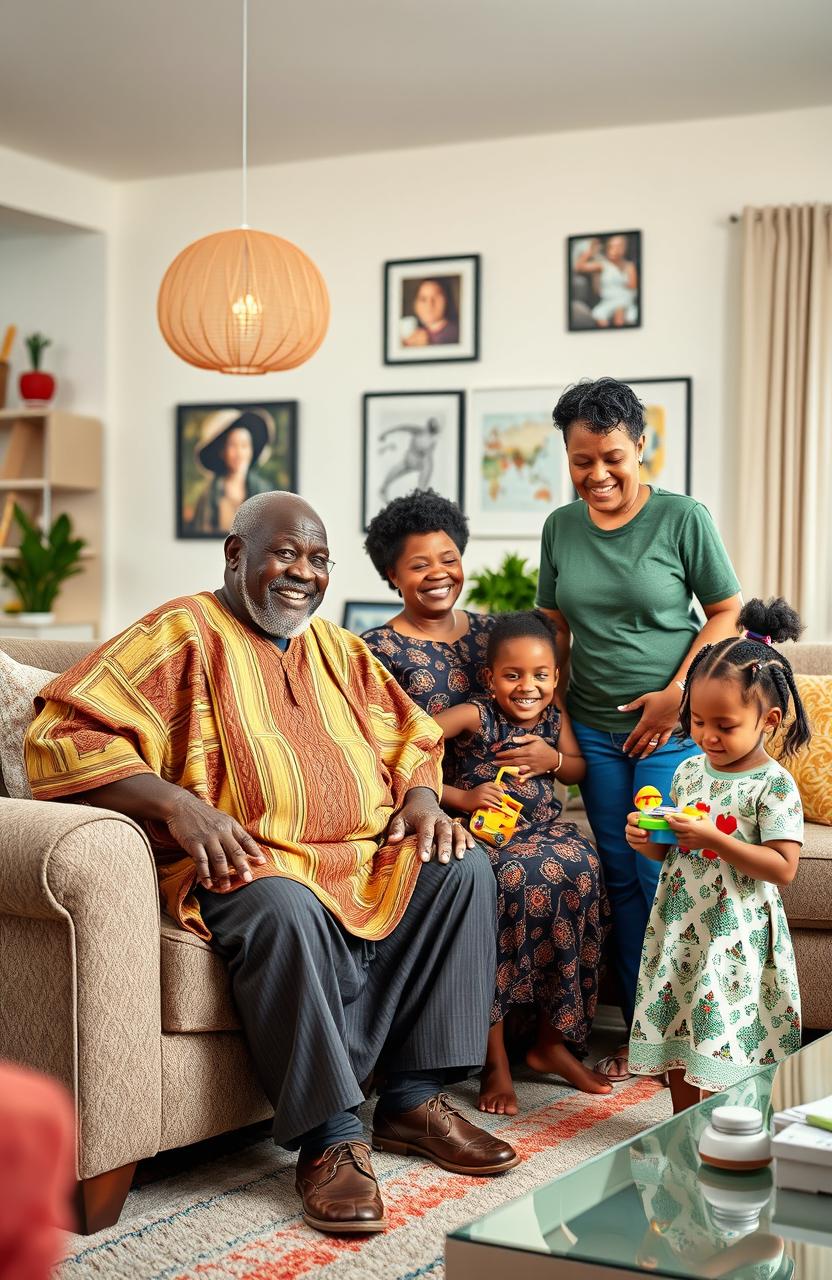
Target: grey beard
[[276, 620]]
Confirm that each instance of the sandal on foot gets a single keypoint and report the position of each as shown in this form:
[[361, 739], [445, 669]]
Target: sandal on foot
[[612, 1060]]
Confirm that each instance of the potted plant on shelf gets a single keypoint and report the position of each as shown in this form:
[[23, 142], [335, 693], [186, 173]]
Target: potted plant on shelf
[[43, 564], [37, 388], [511, 586]]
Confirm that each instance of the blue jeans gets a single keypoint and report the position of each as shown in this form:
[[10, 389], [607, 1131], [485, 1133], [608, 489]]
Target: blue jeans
[[612, 779]]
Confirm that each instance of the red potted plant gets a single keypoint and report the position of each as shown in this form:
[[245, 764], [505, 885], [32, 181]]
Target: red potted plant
[[37, 388]]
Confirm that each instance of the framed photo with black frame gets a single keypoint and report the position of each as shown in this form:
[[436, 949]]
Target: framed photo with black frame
[[432, 310], [361, 615], [603, 273], [668, 405], [226, 453], [411, 440]]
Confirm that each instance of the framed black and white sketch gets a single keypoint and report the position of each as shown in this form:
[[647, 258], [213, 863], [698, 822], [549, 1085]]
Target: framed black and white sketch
[[603, 271], [667, 415], [432, 310], [515, 463], [361, 615], [412, 440]]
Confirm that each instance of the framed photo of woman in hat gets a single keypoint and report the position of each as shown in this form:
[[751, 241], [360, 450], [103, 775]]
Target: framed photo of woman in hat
[[225, 453]]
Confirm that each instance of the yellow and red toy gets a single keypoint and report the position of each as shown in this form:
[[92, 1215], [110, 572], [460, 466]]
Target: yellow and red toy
[[654, 815], [496, 826]]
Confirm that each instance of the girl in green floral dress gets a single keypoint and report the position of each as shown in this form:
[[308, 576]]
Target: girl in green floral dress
[[717, 994]]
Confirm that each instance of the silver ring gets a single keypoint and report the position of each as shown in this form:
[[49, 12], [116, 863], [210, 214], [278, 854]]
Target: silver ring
[[653, 742]]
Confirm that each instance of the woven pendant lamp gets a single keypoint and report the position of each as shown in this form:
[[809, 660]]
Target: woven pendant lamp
[[243, 301]]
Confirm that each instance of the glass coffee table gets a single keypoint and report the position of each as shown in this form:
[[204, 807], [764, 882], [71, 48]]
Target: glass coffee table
[[650, 1206]]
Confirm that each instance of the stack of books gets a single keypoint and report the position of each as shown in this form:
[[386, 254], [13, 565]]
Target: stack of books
[[814, 1113], [802, 1147]]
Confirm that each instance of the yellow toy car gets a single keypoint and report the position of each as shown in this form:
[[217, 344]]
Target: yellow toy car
[[496, 826]]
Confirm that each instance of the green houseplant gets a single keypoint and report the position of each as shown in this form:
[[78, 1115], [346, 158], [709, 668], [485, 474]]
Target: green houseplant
[[511, 586], [44, 562]]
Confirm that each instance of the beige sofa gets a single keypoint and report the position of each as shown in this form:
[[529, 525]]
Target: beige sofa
[[135, 1015], [132, 1013]]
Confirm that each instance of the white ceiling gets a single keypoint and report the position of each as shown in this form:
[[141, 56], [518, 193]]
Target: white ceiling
[[136, 88]]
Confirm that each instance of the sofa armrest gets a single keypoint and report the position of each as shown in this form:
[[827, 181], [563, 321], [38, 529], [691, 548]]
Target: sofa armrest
[[79, 966]]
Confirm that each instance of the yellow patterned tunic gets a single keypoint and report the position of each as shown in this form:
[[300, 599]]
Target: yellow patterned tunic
[[312, 750]]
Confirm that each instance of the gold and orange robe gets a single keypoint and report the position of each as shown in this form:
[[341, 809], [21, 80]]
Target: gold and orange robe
[[312, 750]]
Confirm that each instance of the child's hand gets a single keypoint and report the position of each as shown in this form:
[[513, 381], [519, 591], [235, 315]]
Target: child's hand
[[634, 835], [694, 833], [532, 754], [486, 796]]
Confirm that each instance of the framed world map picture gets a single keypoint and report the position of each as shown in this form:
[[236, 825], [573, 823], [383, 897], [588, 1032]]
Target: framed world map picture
[[515, 469]]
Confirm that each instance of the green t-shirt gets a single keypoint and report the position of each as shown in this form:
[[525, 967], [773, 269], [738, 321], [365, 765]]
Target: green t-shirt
[[627, 595]]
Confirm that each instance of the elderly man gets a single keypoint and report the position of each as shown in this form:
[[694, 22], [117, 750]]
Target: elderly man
[[289, 789]]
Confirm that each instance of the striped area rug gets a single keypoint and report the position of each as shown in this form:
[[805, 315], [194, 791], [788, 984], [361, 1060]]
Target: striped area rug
[[238, 1217]]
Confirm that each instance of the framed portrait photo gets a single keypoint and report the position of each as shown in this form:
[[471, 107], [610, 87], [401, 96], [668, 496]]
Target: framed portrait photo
[[361, 615], [432, 310], [603, 272], [226, 453], [412, 440], [667, 446], [515, 462]]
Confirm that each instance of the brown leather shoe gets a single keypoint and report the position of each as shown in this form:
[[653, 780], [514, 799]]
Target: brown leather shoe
[[437, 1131], [339, 1190]]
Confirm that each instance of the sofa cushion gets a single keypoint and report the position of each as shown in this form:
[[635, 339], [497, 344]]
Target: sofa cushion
[[811, 768], [808, 899], [196, 991], [18, 686]]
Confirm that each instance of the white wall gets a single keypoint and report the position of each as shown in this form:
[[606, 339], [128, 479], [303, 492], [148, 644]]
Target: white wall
[[52, 191], [514, 202], [56, 277], [55, 284]]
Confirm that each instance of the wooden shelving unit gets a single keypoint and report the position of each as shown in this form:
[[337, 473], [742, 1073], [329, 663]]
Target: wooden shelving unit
[[50, 462]]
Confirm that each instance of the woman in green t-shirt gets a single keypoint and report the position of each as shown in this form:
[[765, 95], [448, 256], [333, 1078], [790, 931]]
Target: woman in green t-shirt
[[620, 570]]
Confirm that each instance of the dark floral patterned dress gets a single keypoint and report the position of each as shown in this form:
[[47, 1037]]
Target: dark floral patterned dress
[[434, 674], [552, 909]]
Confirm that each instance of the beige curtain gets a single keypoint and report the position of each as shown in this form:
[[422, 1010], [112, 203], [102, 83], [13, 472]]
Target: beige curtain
[[784, 543]]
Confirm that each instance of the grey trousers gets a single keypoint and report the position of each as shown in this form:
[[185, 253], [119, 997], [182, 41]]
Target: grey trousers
[[320, 1008]]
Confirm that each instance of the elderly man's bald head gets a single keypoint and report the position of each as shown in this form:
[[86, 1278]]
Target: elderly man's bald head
[[268, 511], [276, 563]]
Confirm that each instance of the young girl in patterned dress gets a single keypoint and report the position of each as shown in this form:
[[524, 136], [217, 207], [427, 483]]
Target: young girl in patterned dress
[[717, 993], [552, 911]]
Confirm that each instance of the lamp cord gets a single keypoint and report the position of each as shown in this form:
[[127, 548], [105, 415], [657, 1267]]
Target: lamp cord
[[245, 114]]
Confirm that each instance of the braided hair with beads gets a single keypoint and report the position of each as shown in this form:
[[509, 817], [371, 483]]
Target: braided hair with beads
[[762, 670]]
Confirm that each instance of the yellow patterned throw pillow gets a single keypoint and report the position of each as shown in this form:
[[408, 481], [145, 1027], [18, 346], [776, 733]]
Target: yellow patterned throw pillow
[[811, 768]]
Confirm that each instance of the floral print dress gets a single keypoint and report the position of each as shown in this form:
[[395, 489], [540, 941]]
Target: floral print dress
[[434, 674], [552, 910], [717, 993]]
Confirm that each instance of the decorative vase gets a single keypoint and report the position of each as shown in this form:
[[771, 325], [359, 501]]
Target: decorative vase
[[37, 389]]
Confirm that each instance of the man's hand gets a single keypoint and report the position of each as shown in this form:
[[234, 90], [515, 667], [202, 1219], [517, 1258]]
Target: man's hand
[[532, 754], [435, 833], [213, 840], [659, 717]]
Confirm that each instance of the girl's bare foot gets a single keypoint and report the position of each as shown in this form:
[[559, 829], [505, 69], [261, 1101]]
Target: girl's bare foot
[[556, 1060], [497, 1094]]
